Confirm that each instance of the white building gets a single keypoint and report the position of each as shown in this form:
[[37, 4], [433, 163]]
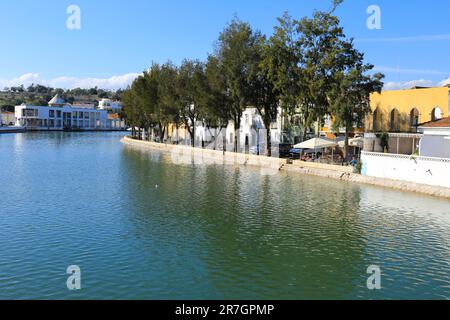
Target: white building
[[432, 167], [108, 104], [252, 134], [436, 139], [60, 115], [7, 118]]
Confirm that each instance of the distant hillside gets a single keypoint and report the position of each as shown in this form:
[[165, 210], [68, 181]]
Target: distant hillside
[[40, 95]]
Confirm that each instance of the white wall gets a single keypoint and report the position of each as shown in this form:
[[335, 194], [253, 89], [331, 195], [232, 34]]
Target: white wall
[[425, 170], [435, 146], [435, 142]]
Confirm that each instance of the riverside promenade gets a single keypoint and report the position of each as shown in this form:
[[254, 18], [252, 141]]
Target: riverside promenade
[[343, 173]]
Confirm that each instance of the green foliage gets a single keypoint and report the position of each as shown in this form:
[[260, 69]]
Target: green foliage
[[308, 67], [358, 167], [384, 141]]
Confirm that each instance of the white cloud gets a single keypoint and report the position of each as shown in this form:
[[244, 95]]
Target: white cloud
[[409, 84], [436, 37], [112, 83], [408, 71], [414, 83], [445, 82]]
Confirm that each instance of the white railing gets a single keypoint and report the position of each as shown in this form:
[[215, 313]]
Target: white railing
[[402, 156], [424, 170]]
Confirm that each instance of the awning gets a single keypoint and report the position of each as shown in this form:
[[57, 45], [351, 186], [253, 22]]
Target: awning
[[316, 143]]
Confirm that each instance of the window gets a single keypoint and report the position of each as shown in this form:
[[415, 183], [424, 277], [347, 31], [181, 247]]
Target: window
[[58, 113], [51, 123], [29, 113], [246, 120], [414, 118], [75, 114], [51, 113], [436, 114], [395, 120]]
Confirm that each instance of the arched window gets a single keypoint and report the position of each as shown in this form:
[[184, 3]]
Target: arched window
[[395, 120], [414, 118], [376, 118], [436, 114]]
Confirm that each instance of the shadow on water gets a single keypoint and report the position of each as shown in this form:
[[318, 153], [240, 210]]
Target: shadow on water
[[234, 233], [242, 234]]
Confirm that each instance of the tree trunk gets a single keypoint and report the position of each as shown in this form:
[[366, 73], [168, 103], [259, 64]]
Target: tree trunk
[[224, 141], [346, 144], [162, 131], [305, 130], [237, 130], [215, 137], [319, 126]]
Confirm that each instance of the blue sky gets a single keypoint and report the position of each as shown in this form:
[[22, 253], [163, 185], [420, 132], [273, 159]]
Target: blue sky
[[119, 39]]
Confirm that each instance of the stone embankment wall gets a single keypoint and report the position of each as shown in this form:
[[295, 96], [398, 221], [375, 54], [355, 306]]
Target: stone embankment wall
[[180, 152]]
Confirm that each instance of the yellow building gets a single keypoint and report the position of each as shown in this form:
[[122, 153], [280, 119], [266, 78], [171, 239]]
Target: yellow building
[[404, 110]]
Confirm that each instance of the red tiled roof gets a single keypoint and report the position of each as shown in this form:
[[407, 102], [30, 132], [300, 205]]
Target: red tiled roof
[[442, 123], [112, 116]]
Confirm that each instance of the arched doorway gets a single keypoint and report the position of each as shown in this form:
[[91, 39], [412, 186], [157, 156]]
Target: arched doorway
[[436, 114], [414, 118], [395, 120], [376, 120]]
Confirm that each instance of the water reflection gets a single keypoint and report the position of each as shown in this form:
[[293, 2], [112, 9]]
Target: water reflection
[[142, 227], [284, 236]]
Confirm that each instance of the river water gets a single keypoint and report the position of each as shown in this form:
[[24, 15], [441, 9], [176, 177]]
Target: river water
[[141, 227]]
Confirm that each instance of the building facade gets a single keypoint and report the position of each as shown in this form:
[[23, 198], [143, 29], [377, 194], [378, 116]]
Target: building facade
[[403, 111], [7, 118], [436, 139], [110, 105], [60, 118], [59, 115], [251, 135]]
